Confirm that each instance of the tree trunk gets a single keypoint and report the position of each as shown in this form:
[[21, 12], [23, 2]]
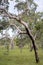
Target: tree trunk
[[31, 37], [34, 46]]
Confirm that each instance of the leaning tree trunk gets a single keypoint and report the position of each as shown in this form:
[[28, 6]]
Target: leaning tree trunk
[[33, 42], [31, 37]]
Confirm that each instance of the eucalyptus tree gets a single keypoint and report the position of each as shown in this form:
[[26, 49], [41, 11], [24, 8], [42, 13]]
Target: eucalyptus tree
[[26, 9]]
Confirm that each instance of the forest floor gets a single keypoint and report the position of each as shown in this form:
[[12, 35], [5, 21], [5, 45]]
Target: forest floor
[[15, 57]]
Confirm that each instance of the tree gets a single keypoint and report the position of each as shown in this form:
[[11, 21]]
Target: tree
[[18, 19]]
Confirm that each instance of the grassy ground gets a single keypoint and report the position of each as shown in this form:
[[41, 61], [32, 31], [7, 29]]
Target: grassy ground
[[16, 58]]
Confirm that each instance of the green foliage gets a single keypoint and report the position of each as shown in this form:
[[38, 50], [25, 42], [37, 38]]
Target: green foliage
[[37, 26], [3, 24], [21, 6]]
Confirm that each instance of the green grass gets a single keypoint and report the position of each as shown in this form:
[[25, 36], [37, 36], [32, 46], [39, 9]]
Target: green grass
[[16, 58]]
